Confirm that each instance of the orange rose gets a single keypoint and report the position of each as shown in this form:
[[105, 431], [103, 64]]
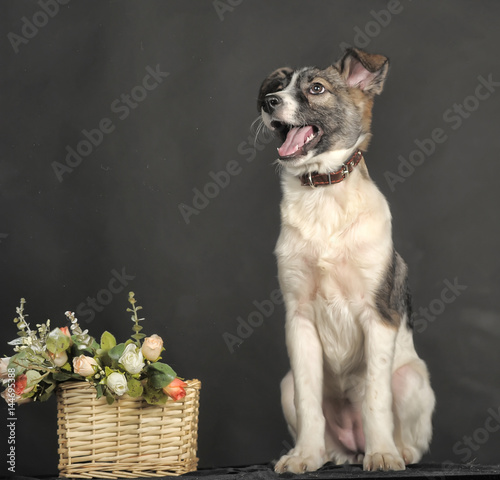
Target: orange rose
[[66, 332], [20, 384], [175, 389]]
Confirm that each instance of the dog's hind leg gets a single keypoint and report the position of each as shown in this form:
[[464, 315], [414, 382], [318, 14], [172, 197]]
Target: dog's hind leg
[[413, 404]]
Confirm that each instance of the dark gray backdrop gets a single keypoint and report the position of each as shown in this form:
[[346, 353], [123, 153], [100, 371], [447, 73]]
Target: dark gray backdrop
[[146, 202]]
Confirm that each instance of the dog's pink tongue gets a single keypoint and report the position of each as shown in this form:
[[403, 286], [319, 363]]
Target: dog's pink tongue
[[295, 139]]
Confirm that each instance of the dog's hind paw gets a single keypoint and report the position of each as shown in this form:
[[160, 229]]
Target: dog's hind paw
[[296, 463], [383, 461], [408, 455]]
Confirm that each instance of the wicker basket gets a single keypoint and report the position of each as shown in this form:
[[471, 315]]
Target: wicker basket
[[128, 438]]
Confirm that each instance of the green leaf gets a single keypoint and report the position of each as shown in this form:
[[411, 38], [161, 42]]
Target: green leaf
[[100, 390], [44, 396], [48, 386], [33, 377], [116, 352], [108, 341], [135, 388], [57, 342], [138, 337], [60, 376], [67, 367], [160, 375], [110, 398], [80, 347], [30, 394], [19, 362], [154, 396]]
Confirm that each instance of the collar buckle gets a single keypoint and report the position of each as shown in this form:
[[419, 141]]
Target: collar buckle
[[345, 170], [311, 181]]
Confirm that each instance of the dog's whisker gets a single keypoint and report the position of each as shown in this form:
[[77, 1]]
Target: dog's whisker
[[259, 130], [258, 121], [278, 167]]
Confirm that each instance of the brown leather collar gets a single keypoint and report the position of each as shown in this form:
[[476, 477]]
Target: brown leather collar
[[315, 179]]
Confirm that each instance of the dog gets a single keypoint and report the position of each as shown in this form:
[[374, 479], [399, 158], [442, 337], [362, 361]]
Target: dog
[[357, 391]]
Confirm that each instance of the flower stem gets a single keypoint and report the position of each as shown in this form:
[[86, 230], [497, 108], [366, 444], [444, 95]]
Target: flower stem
[[135, 318]]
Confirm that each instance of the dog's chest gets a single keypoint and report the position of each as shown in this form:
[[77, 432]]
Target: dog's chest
[[340, 334], [332, 258], [339, 298], [338, 290]]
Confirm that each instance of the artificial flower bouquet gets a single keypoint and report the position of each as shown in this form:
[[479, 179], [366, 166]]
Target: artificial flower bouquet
[[45, 358]]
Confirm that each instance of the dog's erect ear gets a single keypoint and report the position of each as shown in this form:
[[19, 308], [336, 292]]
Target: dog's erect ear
[[364, 70], [277, 81]]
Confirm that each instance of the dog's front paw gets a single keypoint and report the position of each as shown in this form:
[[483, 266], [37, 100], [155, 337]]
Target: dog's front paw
[[383, 461], [299, 462]]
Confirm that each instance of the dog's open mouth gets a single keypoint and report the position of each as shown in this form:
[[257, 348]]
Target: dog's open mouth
[[297, 141]]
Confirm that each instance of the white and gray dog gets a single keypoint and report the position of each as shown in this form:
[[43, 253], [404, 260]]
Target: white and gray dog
[[357, 390]]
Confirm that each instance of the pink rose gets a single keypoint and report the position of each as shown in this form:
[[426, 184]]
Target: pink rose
[[4, 365], [9, 398], [151, 347], [175, 389], [84, 366]]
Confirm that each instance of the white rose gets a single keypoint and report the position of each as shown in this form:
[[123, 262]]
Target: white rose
[[84, 365], [132, 359], [61, 358], [117, 383]]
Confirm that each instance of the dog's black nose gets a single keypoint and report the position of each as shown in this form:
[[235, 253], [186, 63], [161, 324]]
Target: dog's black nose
[[271, 102]]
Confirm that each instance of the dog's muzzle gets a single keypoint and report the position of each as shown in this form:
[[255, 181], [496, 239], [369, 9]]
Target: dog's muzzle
[[271, 102]]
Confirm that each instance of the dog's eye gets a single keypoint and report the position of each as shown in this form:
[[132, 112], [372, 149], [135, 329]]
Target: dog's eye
[[316, 89]]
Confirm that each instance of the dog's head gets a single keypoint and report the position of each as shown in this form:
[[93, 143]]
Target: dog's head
[[315, 112]]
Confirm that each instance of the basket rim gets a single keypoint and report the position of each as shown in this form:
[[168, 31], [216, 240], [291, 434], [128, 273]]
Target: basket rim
[[77, 387], [74, 384]]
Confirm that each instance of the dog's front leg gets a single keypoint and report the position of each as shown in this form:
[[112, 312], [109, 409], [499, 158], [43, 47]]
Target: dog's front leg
[[381, 452], [308, 423]]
